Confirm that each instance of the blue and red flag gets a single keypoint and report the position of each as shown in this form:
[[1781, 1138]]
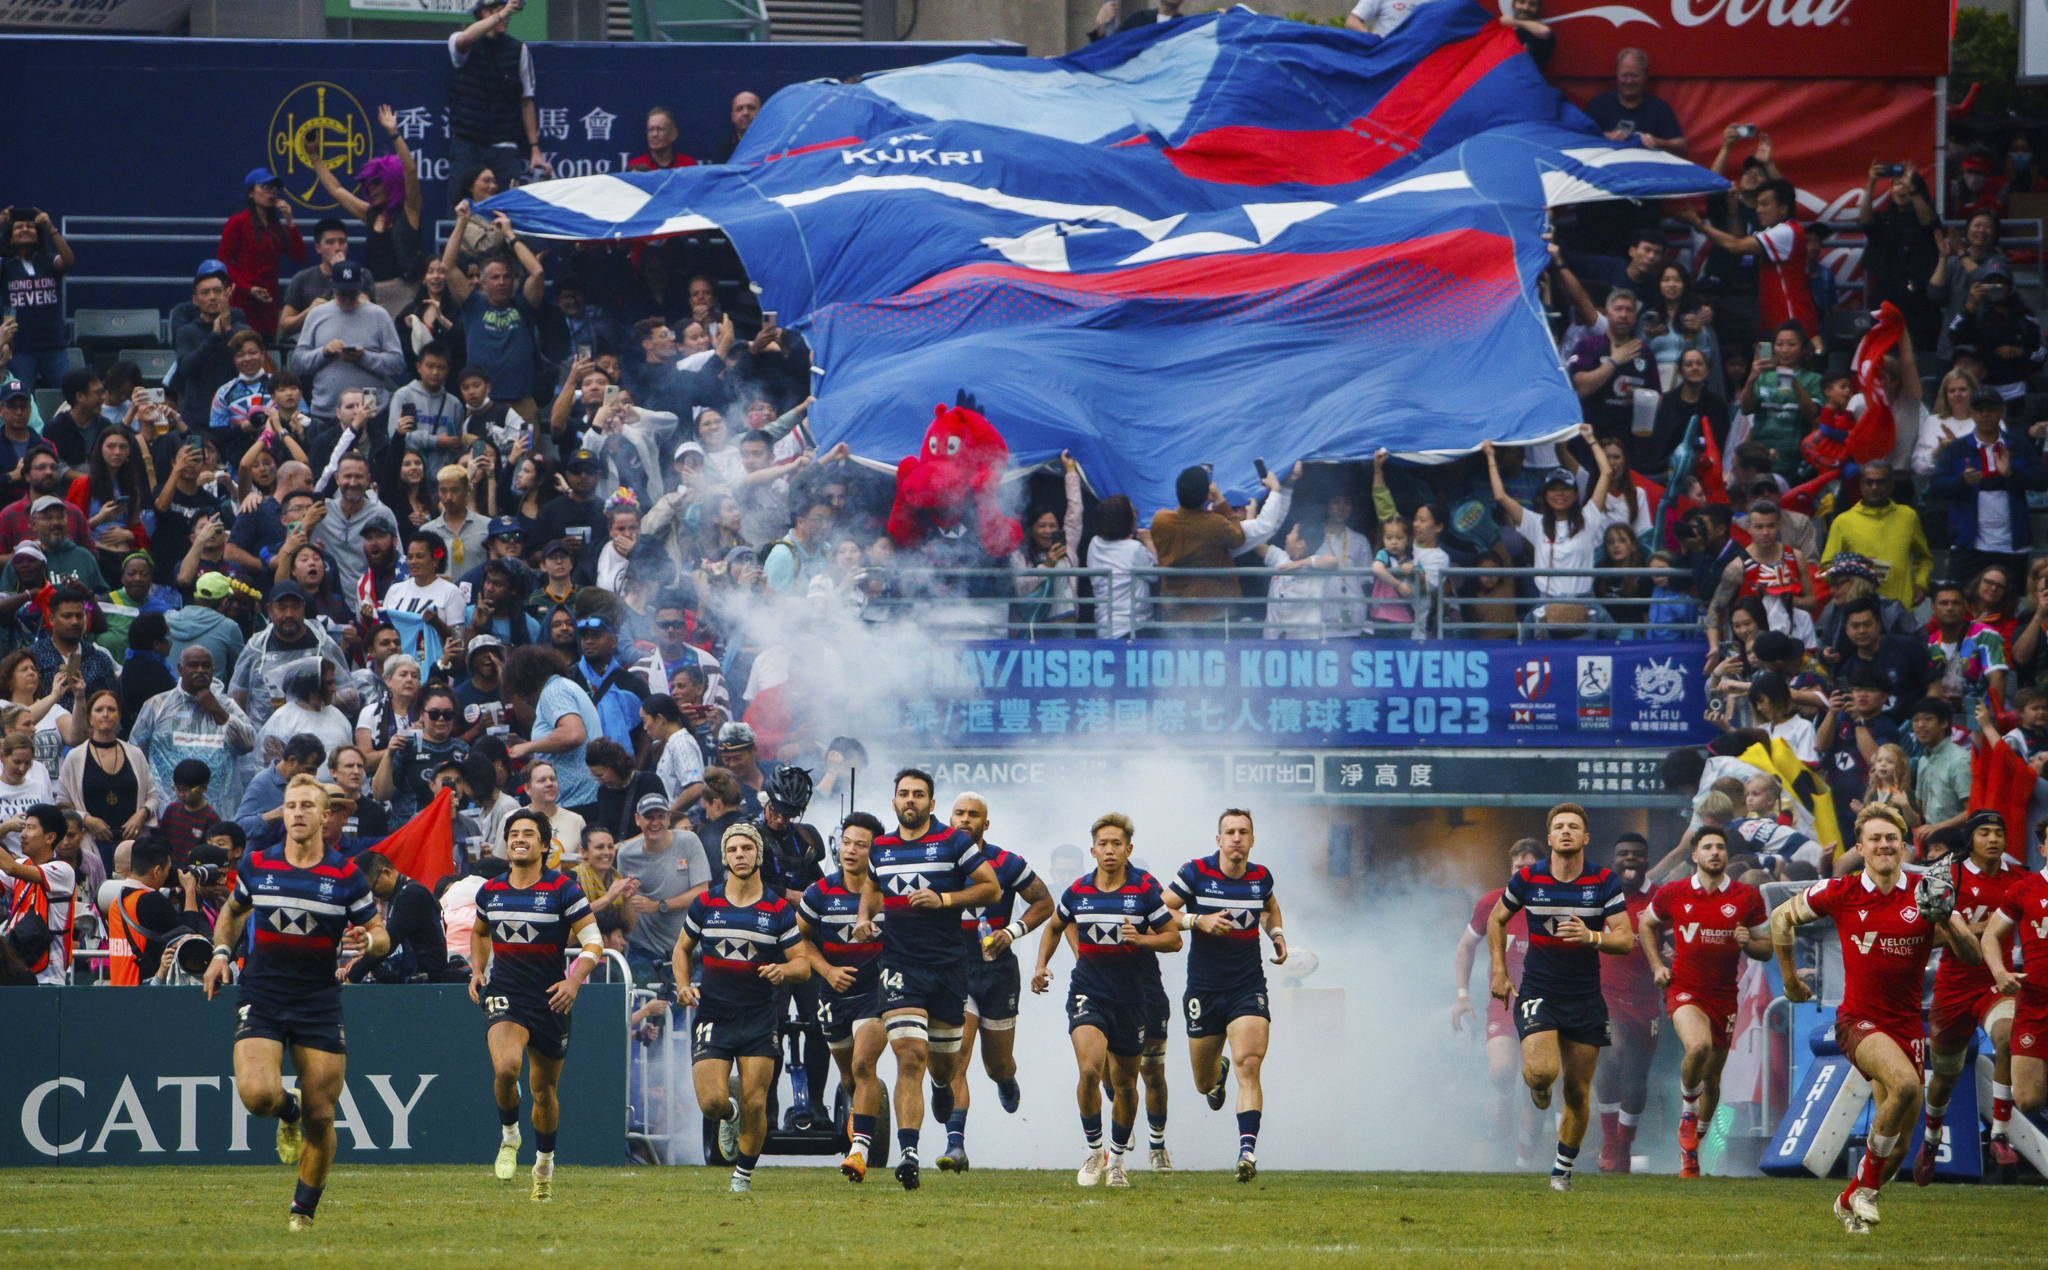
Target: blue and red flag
[[1215, 239]]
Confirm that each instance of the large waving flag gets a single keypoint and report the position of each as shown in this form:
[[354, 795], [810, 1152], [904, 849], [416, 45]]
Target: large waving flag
[[423, 848], [1215, 239]]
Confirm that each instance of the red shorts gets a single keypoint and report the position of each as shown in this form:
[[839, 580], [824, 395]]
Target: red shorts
[[2030, 1027], [1720, 1013], [1958, 1014], [1498, 1021], [1851, 1032], [1637, 1019]]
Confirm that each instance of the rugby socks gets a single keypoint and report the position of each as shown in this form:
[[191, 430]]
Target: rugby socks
[[956, 1130], [1156, 1122], [942, 1102], [1629, 1121], [743, 1166], [906, 1143], [1120, 1137], [1247, 1130], [1690, 1095], [544, 1142], [1871, 1174], [508, 1118], [289, 1112], [1091, 1128], [306, 1198], [2001, 1110], [1566, 1158], [863, 1132], [1934, 1118], [1610, 1126]]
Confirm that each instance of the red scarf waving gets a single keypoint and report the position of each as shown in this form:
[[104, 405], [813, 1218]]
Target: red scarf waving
[[1874, 434], [2001, 781]]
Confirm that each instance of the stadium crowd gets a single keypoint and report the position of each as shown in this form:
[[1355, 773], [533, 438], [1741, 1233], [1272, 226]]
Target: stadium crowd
[[546, 525]]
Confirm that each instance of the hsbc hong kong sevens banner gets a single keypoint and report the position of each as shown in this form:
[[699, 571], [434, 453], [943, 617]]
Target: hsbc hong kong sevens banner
[[1177, 693]]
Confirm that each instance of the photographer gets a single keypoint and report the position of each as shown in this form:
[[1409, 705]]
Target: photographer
[[141, 920], [37, 259], [419, 943], [44, 903]]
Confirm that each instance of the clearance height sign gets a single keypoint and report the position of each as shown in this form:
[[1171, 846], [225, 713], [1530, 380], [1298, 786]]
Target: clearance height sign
[[1286, 694], [146, 1076]]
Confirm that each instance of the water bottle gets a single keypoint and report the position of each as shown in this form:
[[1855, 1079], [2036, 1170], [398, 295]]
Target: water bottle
[[988, 935]]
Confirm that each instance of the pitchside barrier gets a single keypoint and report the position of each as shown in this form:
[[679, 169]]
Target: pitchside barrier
[[146, 1076]]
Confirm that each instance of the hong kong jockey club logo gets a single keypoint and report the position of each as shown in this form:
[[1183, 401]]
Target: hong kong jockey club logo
[[317, 125], [1532, 678]]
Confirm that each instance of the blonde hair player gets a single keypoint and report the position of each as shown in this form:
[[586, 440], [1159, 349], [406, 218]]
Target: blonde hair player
[[1575, 914], [1225, 900], [309, 905], [1888, 930], [1118, 912], [527, 919]]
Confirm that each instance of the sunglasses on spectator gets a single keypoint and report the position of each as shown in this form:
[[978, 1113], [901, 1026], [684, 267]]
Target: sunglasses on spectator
[[440, 716], [590, 624], [673, 626]]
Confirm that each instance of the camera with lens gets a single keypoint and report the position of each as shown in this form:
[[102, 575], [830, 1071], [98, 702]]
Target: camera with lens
[[208, 866]]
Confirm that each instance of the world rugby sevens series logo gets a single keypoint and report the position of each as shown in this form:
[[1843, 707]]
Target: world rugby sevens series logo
[[317, 125]]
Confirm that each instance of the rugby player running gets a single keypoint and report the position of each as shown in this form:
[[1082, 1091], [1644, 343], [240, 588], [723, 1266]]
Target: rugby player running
[[1622, 1088], [920, 875], [309, 904], [527, 918], [751, 948], [1714, 920], [1225, 900], [1967, 997], [993, 981], [849, 1008], [1888, 930], [1117, 912], [2023, 914], [1503, 1052], [1558, 1009]]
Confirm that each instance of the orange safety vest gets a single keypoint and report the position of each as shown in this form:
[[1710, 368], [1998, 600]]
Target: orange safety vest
[[125, 938]]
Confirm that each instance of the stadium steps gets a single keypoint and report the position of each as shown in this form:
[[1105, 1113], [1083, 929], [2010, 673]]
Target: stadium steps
[[814, 19]]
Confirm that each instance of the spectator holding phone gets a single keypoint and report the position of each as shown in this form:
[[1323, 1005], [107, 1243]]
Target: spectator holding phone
[[37, 260], [255, 240], [500, 316], [349, 343], [491, 109], [115, 494], [1998, 325], [241, 409], [1631, 113]]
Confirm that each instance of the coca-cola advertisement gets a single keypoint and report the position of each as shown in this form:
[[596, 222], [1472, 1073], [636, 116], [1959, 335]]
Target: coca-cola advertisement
[[1748, 39]]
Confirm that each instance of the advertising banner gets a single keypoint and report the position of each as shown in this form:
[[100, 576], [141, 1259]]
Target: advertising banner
[[1286, 694], [93, 17], [1753, 38], [146, 1076]]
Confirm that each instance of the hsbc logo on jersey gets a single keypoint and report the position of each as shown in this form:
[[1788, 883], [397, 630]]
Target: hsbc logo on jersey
[[517, 932], [289, 923], [734, 949], [904, 885]]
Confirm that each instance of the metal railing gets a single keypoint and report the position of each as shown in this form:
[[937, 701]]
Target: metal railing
[[984, 603]]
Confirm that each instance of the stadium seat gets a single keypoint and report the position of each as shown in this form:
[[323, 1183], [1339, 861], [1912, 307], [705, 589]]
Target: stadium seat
[[77, 357], [1845, 328], [156, 363], [48, 402], [103, 332]]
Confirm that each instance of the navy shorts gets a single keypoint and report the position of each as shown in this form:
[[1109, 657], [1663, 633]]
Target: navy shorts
[[994, 988], [722, 1040], [1580, 1019], [1209, 1013], [1157, 1012], [1123, 1026], [547, 1032], [940, 991], [840, 1013], [312, 1029]]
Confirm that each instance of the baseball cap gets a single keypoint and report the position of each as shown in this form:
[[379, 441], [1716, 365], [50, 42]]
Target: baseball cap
[[1976, 163], [1982, 397], [593, 622], [559, 547], [287, 590], [688, 447], [1775, 646], [45, 503], [11, 388], [215, 586], [260, 176], [482, 642], [650, 802], [29, 547], [210, 269], [735, 736], [350, 276], [1561, 476], [582, 458], [1995, 270], [506, 526]]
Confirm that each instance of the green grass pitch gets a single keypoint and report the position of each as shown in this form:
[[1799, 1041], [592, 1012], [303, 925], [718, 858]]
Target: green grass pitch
[[423, 1218]]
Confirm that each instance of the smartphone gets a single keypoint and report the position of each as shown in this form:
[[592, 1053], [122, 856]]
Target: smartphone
[[409, 411], [1626, 125], [1744, 131], [115, 502], [1892, 170], [585, 352], [196, 443], [476, 451], [74, 664], [352, 348], [154, 396], [1259, 466], [768, 318], [611, 394]]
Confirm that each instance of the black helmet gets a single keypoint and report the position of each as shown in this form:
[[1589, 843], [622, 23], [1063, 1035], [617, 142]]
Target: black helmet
[[789, 790]]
